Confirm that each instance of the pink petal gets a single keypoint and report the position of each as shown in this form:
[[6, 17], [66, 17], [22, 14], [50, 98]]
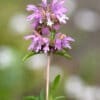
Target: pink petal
[[31, 7], [44, 2], [70, 39], [30, 17], [29, 37]]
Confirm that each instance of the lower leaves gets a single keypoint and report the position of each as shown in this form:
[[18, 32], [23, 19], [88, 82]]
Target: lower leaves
[[52, 96], [40, 97], [63, 53]]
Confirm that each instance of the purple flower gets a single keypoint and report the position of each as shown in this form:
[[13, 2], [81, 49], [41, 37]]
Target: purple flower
[[35, 24], [44, 3], [70, 39], [46, 19], [31, 8], [46, 49], [49, 21], [62, 41], [56, 27], [59, 10], [45, 31], [29, 37], [66, 42], [37, 43], [36, 15], [58, 44], [48, 12]]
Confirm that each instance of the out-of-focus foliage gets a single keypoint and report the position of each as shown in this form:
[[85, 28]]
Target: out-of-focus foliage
[[52, 96], [19, 79]]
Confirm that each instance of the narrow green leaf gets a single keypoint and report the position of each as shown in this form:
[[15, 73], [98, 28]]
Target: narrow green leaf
[[55, 83], [60, 97], [63, 53], [29, 55], [30, 98], [54, 86]]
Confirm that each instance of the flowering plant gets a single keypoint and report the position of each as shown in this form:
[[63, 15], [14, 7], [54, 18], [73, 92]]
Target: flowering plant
[[46, 19]]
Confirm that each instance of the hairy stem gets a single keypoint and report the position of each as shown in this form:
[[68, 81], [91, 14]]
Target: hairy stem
[[47, 77]]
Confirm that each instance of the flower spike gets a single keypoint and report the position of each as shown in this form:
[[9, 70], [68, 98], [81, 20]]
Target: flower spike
[[46, 19]]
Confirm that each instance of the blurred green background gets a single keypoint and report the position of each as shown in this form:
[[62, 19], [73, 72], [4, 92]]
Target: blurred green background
[[80, 76]]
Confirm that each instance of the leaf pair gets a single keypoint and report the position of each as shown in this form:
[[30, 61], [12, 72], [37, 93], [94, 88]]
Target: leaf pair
[[55, 83], [61, 53], [40, 97], [53, 88]]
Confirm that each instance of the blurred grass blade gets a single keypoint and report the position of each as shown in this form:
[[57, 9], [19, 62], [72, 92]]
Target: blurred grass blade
[[63, 53], [42, 95], [55, 83], [29, 55], [60, 97], [30, 98]]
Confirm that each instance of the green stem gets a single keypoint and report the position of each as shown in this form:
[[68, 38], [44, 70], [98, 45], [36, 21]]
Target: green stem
[[52, 35]]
